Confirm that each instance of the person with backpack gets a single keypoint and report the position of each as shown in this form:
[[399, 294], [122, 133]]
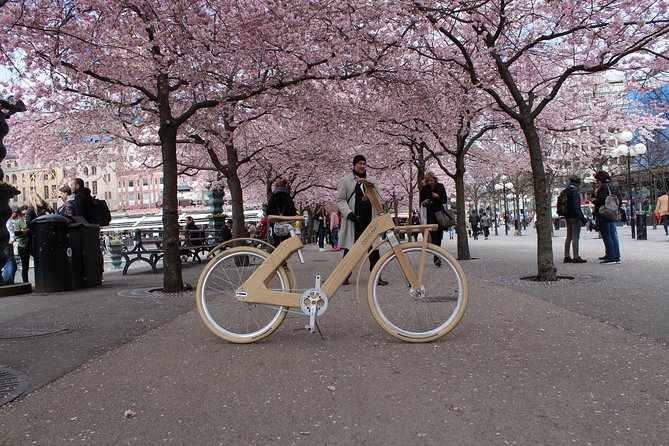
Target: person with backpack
[[82, 199], [607, 189], [485, 225], [574, 218]]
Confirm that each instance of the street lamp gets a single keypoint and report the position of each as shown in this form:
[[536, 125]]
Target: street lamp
[[503, 187], [629, 152]]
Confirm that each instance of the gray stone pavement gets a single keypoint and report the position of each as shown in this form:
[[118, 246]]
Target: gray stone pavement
[[581, 361]]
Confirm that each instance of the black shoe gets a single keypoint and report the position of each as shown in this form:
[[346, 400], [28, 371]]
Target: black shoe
[[609, 262], [568, 260], [579, 260], [382, 282], [437, 262], [603, 258]]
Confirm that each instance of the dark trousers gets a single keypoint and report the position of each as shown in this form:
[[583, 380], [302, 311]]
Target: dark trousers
[[24, 255], [374, 256]]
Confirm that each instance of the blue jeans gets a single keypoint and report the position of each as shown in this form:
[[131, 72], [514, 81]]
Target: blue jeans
[[665, 223], [334, 237], [9, 270], [610, 237]]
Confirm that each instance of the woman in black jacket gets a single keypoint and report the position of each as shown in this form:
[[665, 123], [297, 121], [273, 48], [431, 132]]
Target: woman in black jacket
[[433, 197], [280, 203]]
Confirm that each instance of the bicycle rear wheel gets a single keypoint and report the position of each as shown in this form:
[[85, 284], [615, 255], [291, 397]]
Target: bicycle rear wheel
[[222, 313], [418, 315]]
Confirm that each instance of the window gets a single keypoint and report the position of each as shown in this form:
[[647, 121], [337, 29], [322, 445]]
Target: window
[[85, 171], [131, 183], [94, 170], [14, 179], [94, 187], [145, 182], [46, 192]]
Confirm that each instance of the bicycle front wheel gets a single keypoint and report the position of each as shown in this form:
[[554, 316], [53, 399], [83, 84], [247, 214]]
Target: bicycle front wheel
[[422, 315], [222, 313]]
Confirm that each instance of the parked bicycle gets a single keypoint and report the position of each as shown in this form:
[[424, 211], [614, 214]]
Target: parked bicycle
[[244, 293]]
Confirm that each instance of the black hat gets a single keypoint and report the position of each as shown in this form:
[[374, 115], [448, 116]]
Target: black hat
[[358, 158]]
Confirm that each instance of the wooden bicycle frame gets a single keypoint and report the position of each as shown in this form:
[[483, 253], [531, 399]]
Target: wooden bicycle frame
[[254, 289]]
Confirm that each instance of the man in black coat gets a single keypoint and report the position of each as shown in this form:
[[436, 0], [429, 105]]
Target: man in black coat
[[574, 220], [82, 199]]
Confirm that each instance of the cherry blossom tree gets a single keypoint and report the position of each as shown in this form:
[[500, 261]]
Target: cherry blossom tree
[[166, 62], [522, 53]]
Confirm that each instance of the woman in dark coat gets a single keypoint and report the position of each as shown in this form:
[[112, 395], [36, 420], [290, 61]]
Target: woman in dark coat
[[433, 197], [280, 203], [607, 228]]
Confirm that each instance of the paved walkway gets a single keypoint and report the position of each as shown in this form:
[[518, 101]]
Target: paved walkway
[[527, 365]]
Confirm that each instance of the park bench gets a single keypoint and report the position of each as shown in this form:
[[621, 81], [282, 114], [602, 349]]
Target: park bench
[[191, 247]]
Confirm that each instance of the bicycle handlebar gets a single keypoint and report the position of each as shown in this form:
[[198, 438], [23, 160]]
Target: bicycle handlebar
[[275, 218]]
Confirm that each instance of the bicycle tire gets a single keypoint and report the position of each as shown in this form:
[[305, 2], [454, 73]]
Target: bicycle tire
[[418, 317], [228, 318]]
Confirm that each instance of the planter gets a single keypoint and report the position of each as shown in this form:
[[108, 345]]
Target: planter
[[115, 255]]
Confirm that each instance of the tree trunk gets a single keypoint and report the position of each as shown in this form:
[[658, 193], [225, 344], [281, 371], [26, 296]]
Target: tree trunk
[[236, 193], [172, 280], [461, 226], [545, 266]]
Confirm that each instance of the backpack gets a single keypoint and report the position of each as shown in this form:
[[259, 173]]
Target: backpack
[[609, 209], [99, 212], [563, 203]]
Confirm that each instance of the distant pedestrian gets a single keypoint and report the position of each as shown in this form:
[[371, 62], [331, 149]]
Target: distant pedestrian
[[663, 208], [474, 224], [226, 231], [280, 203], [607, 227], [320, 226], [574, 220], [83, 200], [22, 233], [335, 221], [67, 208], [485, 225], [415, 220], [9, 268], [433, 197]]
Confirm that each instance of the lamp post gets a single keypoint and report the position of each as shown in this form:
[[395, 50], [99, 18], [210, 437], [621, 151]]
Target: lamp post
[[503, 187], [629, 152]]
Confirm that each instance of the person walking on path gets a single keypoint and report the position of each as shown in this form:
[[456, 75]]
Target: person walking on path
[[663, 208], [280, 203], [485, 225], [415, 220], [433, 197], [320, 223], [607, 228], [574, 220], [474, 224], [356, 212], [334, 230]]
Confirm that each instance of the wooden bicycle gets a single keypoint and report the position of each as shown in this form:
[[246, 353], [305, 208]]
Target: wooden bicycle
[[244, 293]]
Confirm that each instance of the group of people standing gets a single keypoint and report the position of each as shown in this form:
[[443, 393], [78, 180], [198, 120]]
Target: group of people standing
[[76, 199], [604, 188]]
